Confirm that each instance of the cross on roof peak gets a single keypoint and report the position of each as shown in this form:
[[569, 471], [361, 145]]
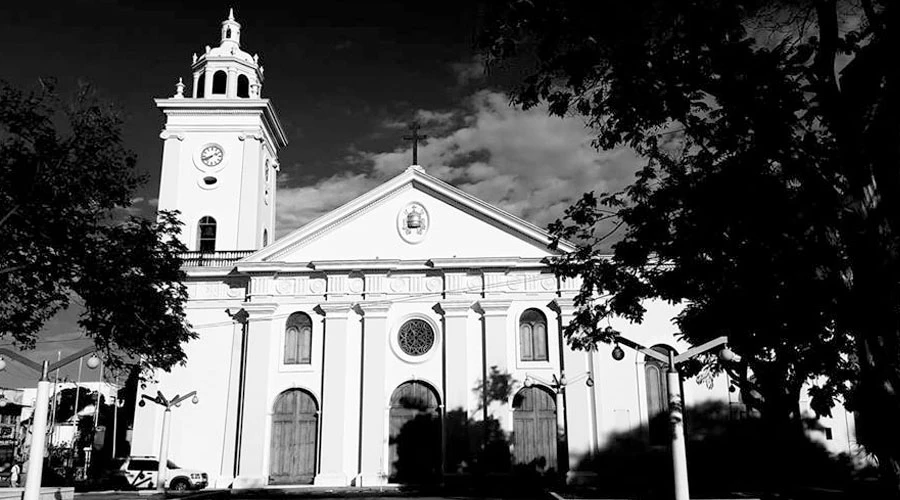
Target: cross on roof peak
[[415, 137]]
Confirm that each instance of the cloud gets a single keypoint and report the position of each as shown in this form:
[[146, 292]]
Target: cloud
[[522, 161], [468, 71]]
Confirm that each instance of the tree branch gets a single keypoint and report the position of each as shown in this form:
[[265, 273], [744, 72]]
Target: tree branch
[[9, 214], [11, 269], [826, 14]]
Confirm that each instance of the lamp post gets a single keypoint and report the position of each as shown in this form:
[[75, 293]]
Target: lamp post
[[39, 417], [676, 416], [164, 440], [558, 384]]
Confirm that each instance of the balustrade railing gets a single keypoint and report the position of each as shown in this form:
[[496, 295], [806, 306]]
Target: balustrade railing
[[213, 259]]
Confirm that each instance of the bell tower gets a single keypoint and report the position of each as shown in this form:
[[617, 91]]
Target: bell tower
[[220, 150]]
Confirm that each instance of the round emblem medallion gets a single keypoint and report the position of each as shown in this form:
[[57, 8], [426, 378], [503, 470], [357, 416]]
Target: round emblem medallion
[[415, 337], [413, 223]]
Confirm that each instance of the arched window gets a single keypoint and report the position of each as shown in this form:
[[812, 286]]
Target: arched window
[[533, 336], [220, 82], [206, 234], [201, 85], [228, 33], [243, 88], [298, 339], [657, 395], [265, 237]]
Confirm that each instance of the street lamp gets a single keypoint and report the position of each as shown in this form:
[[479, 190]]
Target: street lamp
[[676, 418], [164, 442], [39, 417]]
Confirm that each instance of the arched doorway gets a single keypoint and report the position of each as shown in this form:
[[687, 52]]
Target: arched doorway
[[534, 429], [415, 440], [295, 421]]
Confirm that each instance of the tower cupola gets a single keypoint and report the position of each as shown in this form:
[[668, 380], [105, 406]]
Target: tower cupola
[[231, 30], [227, 71]]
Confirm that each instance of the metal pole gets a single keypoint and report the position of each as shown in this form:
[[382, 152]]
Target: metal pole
[[676, 418], [38, 438], [562, 459], [75, 415], [53, 408], [87, 462], [163, 452], [115, 417]]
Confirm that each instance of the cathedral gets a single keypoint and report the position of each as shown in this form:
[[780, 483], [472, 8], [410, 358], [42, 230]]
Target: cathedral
[[410, 335]]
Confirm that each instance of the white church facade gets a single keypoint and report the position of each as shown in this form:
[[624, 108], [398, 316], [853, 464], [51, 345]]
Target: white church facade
[[409, 335]]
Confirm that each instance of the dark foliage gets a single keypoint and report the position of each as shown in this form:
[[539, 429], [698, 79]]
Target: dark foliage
[[64, 179], [768, 201]]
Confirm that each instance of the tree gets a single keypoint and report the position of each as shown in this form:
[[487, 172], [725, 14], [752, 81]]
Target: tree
[[65, 177], [768, 200]]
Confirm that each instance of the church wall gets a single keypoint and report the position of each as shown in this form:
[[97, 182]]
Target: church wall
[[207, 372]]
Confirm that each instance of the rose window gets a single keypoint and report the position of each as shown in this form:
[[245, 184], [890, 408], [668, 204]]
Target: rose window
[[416, 337]]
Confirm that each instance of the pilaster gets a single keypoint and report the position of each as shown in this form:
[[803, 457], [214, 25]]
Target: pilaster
[[231, 435], [458, 384], [579, 399], [254, 407], [337, 444], [496, 357], [247, 208], [373, 440]]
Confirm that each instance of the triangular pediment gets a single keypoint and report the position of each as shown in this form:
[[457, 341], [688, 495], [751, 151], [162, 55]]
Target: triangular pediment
[[412, 217]]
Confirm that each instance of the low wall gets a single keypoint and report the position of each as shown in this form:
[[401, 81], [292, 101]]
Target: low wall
[[47, 493]]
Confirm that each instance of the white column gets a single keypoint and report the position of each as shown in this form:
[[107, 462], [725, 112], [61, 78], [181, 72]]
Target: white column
[[496, 335], [256, 406], [207, 83], [194, 87], [235, 393], [335, 442], [576, 407], [458, 384], [231, 88], [374, 350]]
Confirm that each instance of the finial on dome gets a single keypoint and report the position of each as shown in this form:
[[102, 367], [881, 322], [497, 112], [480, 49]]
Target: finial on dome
[[179, 89], [231, 14]]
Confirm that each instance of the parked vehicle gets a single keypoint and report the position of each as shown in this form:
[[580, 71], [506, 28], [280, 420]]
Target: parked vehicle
[[141, 471]]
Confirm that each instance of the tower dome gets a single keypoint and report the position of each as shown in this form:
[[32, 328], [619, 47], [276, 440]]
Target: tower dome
[[227, 71]]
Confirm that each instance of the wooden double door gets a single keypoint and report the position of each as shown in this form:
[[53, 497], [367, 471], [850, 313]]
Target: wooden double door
[[415, 434], [295, 427], [534, 429]]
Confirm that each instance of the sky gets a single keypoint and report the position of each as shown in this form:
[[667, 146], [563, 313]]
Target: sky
[[345, 77]]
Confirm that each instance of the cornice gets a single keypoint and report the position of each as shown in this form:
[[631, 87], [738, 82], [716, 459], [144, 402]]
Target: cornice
[[206, 106], [460, 265]]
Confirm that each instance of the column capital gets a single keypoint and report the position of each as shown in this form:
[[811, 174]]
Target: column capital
[[452, 309], [564, 306], [334, 310], [252, 311], [492, 307], [372, 310]]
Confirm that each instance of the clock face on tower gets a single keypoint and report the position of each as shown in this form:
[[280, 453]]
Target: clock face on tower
[[212, 155]]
